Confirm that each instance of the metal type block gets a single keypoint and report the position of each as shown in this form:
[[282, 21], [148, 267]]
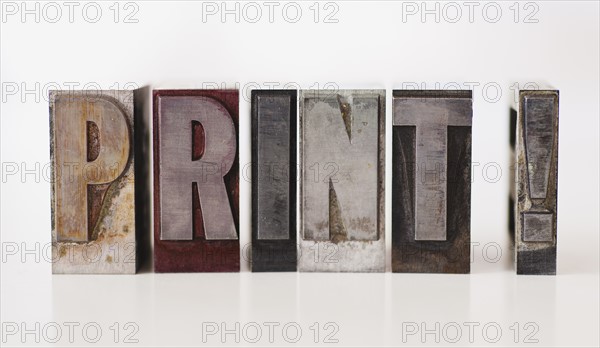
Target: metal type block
[[196, 181], [93, 186], [533, 199], [431, 181], [342, 181], [274, 180]]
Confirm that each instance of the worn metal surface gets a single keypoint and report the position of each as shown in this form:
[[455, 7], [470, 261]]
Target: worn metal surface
[[342, 180], [179, 169], [534, 195], [431, 183], [274, 180], [93, 195], [196, 178], [431, 116], [537, 227]]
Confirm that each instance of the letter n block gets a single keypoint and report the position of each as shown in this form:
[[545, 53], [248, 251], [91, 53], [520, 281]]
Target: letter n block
[[342, 139]]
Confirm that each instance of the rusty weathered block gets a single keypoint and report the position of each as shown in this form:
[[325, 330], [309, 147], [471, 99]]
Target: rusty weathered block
[[196, 181], [431, 181], [533, 199], [274, 180], [93, 198], [342, 180]]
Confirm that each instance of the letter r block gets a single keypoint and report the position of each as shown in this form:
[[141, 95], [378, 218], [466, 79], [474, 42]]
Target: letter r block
[[196, 176]]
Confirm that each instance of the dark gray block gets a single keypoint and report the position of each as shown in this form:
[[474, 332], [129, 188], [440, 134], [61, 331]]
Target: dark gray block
[[274, 180], [431, 181], [534, 140]]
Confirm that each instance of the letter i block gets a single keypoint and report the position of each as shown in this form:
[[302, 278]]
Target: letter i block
[[431, 181], [533, 199], [274, 181], [196, 181], [93, 196], [342, 139]]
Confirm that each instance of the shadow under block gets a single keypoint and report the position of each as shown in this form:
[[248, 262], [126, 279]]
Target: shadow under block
[[93, 194], [196, 181], [274, 181], [533, 200], [431, 181], [342, 139]]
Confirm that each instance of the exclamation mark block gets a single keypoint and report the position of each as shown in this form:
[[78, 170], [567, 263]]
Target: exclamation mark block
[[536, 184]]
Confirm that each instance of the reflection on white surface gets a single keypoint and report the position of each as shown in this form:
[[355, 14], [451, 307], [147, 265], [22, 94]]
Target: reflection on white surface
[[313, 308]]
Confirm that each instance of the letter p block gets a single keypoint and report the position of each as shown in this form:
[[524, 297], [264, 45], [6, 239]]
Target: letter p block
[[93, 198]]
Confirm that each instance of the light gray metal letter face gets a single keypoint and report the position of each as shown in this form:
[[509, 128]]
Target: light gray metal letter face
[[342, 187], [178, 171], [273, 182], [431, 117], [340, 167]]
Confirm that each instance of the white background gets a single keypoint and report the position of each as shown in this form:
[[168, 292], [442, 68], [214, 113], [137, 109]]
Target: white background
[[370, 46]]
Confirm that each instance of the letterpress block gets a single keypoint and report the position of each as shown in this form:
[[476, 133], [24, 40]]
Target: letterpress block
[[196, 181], [532, 211], [274, 181], [342, 181], [93, 195], [431, 181]]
